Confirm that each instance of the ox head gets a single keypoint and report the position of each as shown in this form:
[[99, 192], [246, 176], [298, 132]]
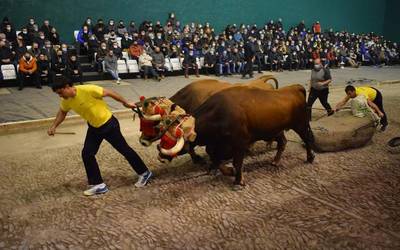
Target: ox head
[[150, 115]]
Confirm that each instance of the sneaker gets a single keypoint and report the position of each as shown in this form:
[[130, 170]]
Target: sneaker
[[143, 179], [383, 128], [118, 81], [330, 112], [96, 189]]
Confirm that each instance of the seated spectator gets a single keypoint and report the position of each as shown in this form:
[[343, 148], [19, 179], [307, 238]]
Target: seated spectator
[[74, 71], [111, 65], [99, 30], [25, 36], [121, 29], [40, 39], [132, 28], [135, 50], [274, 60], [46, 29], [117, 51], [30, 25], [59, 65], [83, 38], [293, 60], [28, 71], [158, 61], [35, 50], [237, 61], [49, 51], [189, 61], [126, 42], [224, 64], [210, 60], [353, 59], [93, 45], [10, 34], [88, 23], [43, 66], [145, 63], [111, 26], [101, 54], [331, 58], [6, 55], [54, 37], [19, 50]]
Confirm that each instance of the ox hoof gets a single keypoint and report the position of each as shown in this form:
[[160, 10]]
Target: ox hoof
[[227, 170], [213, 172], [198, 160], [276, 164], [310, 159], [237, 187]]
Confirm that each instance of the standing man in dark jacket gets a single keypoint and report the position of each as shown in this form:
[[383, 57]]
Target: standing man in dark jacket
[[249, 56], [319, 87]]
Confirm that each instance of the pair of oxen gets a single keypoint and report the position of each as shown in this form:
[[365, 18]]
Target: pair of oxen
[[228, 119]]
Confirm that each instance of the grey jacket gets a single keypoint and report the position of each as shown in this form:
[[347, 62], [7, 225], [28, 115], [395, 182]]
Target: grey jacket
[[110, 62], [321, 75]]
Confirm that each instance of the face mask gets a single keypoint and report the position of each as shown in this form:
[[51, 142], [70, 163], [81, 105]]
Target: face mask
[[8, 29], [24, 32], [41, 37], [115, 46], [317, 67], [64, 49], [28, 58], [32, 23], [88, 22], [103, 47]]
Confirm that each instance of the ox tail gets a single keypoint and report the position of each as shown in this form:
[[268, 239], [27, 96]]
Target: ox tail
[[266, 78]]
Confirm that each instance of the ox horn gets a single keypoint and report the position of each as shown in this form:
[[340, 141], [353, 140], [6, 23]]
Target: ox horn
[[152, 117], [270, 77], [176, 149]]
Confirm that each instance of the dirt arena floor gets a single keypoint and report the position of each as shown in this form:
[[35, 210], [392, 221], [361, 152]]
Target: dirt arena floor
[[345, 200]]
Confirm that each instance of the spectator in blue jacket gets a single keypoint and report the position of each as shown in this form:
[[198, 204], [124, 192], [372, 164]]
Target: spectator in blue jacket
[[83, 39]]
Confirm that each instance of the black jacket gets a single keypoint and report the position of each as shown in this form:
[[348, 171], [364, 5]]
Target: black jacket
[[249, 50]]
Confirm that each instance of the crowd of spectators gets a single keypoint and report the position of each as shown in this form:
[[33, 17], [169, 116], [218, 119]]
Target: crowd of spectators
[[273, 47]]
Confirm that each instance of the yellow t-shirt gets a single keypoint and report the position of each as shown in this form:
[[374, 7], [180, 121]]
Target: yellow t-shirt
[[368, 92], [89, 104]]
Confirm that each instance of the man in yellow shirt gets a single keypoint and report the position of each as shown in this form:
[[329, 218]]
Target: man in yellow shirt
[[87, 101], [374, 99]]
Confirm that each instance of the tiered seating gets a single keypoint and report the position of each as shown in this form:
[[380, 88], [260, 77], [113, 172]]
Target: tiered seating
[[133, 66]]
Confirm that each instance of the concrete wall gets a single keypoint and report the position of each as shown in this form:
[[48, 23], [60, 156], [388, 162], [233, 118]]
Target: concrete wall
[[68, 15]]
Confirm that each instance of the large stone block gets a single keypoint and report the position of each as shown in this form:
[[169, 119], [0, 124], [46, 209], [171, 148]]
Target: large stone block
[[342, 131]]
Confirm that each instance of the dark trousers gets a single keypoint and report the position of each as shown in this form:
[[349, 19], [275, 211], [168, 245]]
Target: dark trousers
[[149, 70], [379, 102], [322, 95], [34, 78], [248, 68], [110, 131]]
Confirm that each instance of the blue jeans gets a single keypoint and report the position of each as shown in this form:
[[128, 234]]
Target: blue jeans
[[114, 73]]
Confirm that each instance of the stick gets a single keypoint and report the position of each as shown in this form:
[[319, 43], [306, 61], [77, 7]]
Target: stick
[[65, 133]]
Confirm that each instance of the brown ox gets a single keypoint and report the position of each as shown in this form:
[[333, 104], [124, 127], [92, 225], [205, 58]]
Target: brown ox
[[231, 120], [189, 98], [193, 95]]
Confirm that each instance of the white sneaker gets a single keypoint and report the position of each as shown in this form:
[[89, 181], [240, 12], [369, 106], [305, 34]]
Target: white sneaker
[[96, 189], [118, 81], [143, 179]]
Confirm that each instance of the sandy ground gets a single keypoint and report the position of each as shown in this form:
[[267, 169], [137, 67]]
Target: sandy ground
[[345, 200]]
